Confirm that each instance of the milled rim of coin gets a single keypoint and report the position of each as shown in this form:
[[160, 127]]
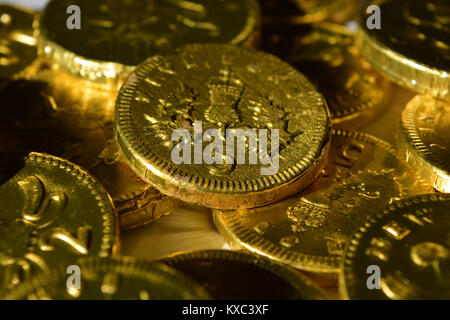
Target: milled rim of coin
[[302, 284], [23, 33], [111, 234], [348, 283], [435, 168], [221, 191], [113, 73], [404, 70], [186, 288], [239, 236]]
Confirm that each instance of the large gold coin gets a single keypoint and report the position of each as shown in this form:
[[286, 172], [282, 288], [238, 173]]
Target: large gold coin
[[111, 278], [354, 91], [18, 49], [51, 211], [407, 246], [424, 139], [310, 231], [232, 275], [216, 91], [116, 35], [412, 45], [60, 116]]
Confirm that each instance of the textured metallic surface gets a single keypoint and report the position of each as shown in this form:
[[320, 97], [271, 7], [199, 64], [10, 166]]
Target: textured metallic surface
[[51, 211], [410, 243], [355, 93], [310, 231], [224, 87], [243, 276], [112, 278], [56, 114], [412, 46], [424, 139], [18, 51], [117, 35]]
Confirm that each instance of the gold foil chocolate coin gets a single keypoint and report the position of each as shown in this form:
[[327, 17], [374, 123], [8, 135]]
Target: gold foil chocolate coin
[[242, 276], [222, 126], [51, 211], [310, 231], [411, 44], [424, 139], [111, 279], [116, 35], [58, 115], [407, 245], [355, 92]]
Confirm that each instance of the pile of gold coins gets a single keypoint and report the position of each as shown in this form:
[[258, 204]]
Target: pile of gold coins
[[96, 96]]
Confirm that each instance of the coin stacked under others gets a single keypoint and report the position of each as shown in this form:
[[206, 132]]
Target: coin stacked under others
[[119, 112]]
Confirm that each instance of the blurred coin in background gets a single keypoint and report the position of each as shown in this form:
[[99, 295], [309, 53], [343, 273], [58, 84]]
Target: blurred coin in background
[[117, 35], [231, 275], [18, 51], [111, 278], [412, 45]]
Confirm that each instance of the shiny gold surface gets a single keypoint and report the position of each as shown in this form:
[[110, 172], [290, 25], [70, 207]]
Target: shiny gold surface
[[424, 139], [224, 87], [355, 93], [137, 202], [235, 275], [58, 115], [310, 231], [117, 35], [51, 211], [412, 47], [72, 116], [410, 243], [18, 50], [112, 279]]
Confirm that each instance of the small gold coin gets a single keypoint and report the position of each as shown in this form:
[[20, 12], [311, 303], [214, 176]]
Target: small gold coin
[[412, 45], [354, 91], [59, 115], [232, 275], [116, 35], [215, 91], [51, 211], [407, 246], [310, 231], [17, 45], [424, 139], [111, 278]]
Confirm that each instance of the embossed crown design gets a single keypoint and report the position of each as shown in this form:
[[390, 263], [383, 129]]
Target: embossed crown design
[[224, 95], [225, 88], [305, 215]]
